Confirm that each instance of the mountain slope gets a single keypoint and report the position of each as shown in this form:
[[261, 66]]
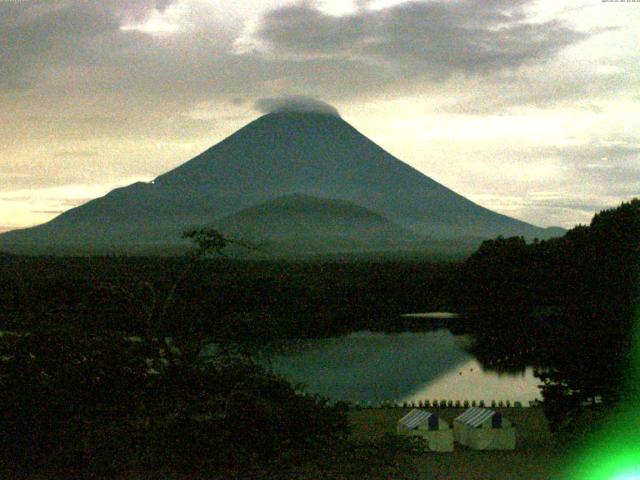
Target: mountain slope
[[277, 154]]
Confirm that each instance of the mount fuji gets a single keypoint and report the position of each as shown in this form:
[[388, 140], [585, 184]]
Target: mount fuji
[[301, 158]]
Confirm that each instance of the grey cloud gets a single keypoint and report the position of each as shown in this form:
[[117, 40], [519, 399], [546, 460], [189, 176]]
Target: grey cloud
[[40, 33], [91, 65], [295, 104], [30, 33], [585, 203], [304, 29], [615, 168], [541, 88], [622, 157], [137, 9], [408, 48], [436, 39], [72, 128], [576, 193]]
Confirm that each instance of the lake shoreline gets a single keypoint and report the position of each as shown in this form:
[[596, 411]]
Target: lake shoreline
[[362, 368]]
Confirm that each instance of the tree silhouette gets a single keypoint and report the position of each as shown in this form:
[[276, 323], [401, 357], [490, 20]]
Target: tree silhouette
[[571, 302], [205, 242]]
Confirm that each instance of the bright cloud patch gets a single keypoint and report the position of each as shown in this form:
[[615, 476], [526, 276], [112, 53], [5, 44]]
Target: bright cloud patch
[[173, 19]]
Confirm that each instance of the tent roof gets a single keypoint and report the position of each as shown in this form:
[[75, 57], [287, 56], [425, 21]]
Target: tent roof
[[475, 416], [415, 417]]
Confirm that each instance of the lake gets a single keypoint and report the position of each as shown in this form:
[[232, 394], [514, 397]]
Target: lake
[[410, 366]]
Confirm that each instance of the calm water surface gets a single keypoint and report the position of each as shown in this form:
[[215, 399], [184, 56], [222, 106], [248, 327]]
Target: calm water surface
[[409, 366]]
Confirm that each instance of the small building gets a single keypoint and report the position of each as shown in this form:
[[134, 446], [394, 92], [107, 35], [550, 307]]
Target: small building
[[437, 434], [484, 429]]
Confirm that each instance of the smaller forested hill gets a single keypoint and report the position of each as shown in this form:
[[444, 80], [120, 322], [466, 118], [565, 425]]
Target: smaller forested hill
[[305, 224]]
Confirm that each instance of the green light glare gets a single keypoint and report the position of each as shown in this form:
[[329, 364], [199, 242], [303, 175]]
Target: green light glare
[[615, 453], [628, 476], [618, 461]]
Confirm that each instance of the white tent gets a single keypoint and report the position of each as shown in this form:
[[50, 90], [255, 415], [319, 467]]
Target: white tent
[[484, 429], [437, 433]]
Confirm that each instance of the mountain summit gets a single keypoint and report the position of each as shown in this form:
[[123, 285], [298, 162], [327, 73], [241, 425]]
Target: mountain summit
[[279, 154]]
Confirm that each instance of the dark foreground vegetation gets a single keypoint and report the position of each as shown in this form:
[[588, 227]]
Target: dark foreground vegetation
[[230, 301], [79, 405], [103, 372], [565, 305]]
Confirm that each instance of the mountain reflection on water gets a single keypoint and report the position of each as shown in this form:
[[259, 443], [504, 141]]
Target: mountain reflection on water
[[409, 366]]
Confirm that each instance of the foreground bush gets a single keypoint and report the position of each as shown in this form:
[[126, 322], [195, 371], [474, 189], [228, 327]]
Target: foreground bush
[[80, 405]]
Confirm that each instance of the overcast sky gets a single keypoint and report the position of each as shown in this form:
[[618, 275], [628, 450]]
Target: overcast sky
[[531, 108]]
